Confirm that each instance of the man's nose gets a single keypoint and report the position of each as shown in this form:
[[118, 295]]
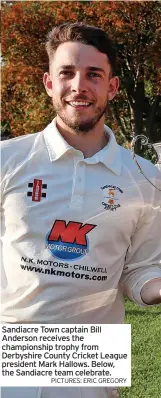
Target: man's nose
[[78, 84]]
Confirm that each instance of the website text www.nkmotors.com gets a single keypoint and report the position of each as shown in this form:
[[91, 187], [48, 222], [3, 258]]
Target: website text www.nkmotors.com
[[67, 274]]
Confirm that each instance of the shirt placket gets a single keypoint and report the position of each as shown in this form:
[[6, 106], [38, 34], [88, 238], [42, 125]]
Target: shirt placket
[[78, 184]]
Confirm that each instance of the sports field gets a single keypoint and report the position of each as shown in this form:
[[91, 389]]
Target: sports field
[[146, 351]]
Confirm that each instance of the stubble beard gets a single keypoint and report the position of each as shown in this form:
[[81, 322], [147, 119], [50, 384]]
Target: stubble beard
[[84, 126]]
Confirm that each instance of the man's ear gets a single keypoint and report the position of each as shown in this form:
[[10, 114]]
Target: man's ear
[[113, 87], [47, 83]]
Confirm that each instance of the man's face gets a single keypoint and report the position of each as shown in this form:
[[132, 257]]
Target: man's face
[[80, 85]]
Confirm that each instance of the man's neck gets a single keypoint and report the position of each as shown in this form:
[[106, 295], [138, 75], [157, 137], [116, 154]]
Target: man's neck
[[88, 143]]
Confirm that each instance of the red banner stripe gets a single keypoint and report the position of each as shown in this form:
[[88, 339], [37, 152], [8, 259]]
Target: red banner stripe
[[37, 190]]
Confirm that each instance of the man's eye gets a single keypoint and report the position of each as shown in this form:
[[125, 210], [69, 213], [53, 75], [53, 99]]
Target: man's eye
[[65, 73], [94, 74]]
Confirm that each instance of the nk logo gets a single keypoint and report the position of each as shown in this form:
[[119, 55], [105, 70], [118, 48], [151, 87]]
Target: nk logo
[[69, 241]]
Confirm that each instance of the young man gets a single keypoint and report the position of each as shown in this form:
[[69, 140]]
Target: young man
[[81, 225]]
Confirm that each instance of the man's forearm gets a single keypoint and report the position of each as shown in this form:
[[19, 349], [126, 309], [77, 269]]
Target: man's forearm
[[151, 292]]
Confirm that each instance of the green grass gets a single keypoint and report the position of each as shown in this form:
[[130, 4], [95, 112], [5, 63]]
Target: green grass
[[146, 351]]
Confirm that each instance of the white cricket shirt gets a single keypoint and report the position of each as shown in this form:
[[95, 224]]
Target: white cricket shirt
[[70, 226]]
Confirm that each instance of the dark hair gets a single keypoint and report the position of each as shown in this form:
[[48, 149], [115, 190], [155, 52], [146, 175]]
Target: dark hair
[[82, 33]]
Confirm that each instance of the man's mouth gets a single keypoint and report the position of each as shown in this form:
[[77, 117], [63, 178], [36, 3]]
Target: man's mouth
[[77, 104]]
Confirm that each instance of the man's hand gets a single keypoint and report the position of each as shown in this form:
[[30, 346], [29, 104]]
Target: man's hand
[[151, 292]]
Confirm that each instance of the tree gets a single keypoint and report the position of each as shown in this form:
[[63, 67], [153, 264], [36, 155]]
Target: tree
[[134, 29]]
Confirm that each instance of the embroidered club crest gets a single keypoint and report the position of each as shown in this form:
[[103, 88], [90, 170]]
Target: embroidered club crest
[[111, 195]]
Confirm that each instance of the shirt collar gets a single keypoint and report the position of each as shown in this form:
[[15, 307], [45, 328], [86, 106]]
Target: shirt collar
[[110, 155]]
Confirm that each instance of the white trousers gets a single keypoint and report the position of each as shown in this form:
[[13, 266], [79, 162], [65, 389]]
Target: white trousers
[[59, 392]]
